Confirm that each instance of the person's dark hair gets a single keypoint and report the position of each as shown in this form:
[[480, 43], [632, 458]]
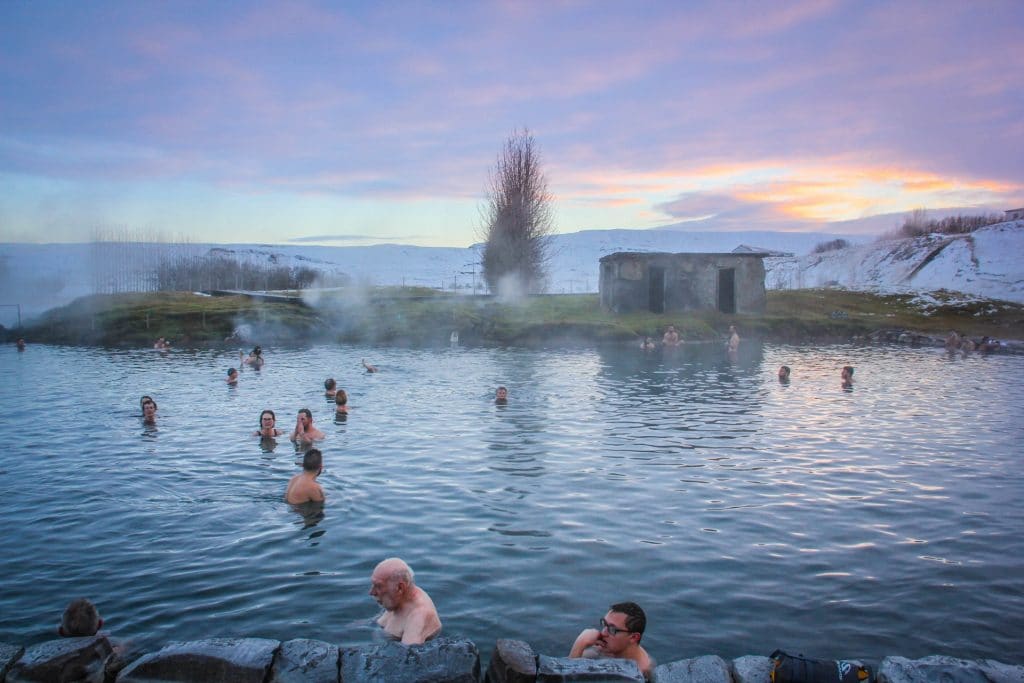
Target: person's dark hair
[[636, 620], [232, 371], [313, 460], [80, 619], [256, 351], [271, 415], [147, 399], [144, 399], [848, 369], [308, 413], [785, 370], [341, 398], [329, 383]]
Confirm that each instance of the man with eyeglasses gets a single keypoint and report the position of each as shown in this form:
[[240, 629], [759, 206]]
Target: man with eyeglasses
[[618, 637]]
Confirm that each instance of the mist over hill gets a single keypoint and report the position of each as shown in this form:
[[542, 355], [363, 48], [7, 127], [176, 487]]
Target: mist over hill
[[983, 263]]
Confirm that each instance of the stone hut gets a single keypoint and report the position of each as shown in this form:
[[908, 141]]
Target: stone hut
[[661, 282]]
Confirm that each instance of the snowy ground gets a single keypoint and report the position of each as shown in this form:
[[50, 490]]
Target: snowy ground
[[986, 263]]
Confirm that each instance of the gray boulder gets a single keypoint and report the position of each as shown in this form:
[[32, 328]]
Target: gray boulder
[[706, 669], [8, 655], [306, 661], [941, 669], [66, 659], [229, 660], [513, 661], [442, 660], [751, 669], [557, 669]]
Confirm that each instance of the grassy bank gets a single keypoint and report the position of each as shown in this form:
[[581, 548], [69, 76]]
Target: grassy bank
[[397, 316]]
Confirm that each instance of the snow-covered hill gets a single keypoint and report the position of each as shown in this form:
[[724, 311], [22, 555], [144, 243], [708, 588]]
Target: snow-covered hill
[[986, 263]]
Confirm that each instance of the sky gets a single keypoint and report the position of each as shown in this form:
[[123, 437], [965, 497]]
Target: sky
[[359, 123]]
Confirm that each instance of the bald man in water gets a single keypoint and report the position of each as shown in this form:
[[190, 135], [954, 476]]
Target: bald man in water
[[409, 613]]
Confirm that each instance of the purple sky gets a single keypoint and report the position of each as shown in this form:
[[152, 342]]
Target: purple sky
[[355, 123]]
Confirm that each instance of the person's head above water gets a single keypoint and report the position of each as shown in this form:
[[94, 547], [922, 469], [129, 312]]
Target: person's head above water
[[341, 398], [330, 384], [232, 373], [501, 395], [784, 372], [267, 419], [149, 410], [81, 618], [313, 461], [145, 399], [391, 582]]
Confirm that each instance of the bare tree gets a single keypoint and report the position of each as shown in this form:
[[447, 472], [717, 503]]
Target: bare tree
[[517, 219]]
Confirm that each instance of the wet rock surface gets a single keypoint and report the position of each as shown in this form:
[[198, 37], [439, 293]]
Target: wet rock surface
[[306, 661], [232, 660], [513, 661], [706, 669], [751, 669], [66, 659], [941, 669], [8, 655], [442, 660], [564, 669]]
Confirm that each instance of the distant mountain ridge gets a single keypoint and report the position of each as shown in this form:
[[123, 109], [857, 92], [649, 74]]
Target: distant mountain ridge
[[984, 263]]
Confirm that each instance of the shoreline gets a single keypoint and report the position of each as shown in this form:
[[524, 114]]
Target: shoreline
[[792, 316], [102, 658]]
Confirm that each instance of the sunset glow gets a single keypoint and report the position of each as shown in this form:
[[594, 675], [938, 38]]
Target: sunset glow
[[364, 122]]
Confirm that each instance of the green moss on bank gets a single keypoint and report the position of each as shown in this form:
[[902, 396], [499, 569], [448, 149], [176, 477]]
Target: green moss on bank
[[399, 316]]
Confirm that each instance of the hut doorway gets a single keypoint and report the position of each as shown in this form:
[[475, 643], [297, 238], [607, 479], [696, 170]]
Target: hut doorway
[[727, 290], [656, 277]]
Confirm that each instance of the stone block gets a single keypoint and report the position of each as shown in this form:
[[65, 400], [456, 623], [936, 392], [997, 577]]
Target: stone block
[[941, 669], [751, 669], [9, 654], [228, 660], [306, 661], [513, 661], [442, 660], [66, 659], [559, 669], [706, 669]]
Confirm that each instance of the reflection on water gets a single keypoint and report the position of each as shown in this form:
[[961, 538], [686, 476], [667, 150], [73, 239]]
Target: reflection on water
[[312, 513], [694, 482]]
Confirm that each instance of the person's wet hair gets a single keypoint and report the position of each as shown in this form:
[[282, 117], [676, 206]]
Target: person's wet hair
[[329, 383], [313, 460], [307, 412], [80, 619], [267, 412], [636, 620], [848, 369], [232, 371], [147, 399], [341, 398]]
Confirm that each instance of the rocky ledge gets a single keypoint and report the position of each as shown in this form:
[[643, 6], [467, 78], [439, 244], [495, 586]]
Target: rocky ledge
[[444, 660]]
